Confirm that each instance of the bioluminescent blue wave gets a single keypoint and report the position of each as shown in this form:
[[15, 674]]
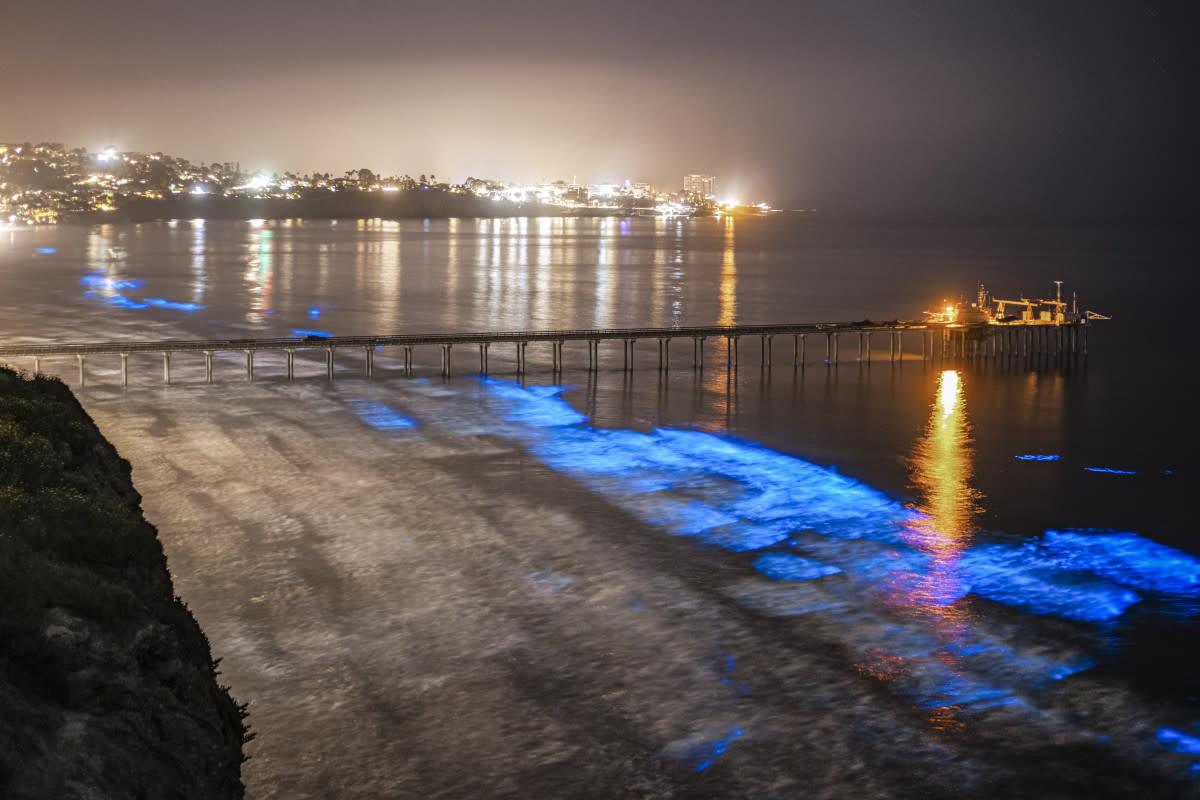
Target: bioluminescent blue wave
[[314, 312], [1177, 741], [302, 332], [46, 250], [99, 281], [787, 567], [1020, 576], [538, 406], [116, 300], [1125, 558], [718, 748], [1111, 471], [1034, 457], [162, 302], [380, 417], [742, 496], [806, 523]]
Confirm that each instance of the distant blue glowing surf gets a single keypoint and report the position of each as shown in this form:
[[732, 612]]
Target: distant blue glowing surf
[[380, 417], [115, 300], [1049, 457], [302, 332], [162, 302], [1112, 471], [314, 312], [104, 288], [99, 281], [46, 250]]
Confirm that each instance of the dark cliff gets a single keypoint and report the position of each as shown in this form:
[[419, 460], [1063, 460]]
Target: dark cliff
[[107, 685]]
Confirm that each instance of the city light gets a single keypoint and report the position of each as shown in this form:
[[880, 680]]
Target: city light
[[104, 181]]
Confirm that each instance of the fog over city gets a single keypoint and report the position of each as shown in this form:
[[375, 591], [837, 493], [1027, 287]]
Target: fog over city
[[1016, 108]]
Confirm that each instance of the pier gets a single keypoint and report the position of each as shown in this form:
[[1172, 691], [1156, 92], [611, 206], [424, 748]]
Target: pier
[[1022, 339]]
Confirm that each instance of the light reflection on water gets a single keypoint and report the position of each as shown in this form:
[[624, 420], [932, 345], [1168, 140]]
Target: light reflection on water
[[941, 531]]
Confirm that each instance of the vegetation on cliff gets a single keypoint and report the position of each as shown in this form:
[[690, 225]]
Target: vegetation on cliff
[[107, 684]]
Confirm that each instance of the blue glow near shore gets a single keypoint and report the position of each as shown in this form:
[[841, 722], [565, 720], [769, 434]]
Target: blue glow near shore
[[787, 567], [718, 748], [806, 522], [162, 302], [1111, 471], [302, 332], [115, 300], [741, 496], [1046, 457], [380, 417], [1177, 741], [99, 281]]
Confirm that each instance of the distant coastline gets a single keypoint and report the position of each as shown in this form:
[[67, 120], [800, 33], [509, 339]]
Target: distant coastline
[[418, 203]]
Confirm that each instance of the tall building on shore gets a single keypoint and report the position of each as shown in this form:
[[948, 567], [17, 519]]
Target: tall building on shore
[[701, 185]]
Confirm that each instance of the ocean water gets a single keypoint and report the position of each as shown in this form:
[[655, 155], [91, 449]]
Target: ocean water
[[876, 578]]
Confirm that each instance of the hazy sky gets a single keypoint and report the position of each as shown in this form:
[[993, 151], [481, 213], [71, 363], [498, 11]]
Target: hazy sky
[[1012, 107]]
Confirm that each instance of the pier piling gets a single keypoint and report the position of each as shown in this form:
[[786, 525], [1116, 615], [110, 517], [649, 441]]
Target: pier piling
[[1040, 338]]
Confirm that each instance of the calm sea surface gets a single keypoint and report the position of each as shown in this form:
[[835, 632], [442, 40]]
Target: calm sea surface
[[808, 580]]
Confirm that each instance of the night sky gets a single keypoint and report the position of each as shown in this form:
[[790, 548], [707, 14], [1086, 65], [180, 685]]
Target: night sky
[[1048, 108]]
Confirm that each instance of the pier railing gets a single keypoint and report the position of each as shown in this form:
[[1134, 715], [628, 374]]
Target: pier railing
[[1022, 338]]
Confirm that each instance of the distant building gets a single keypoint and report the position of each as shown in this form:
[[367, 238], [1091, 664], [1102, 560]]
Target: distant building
[[700, 185]]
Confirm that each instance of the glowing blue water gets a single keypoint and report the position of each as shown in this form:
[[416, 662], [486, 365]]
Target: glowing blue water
[[162, 302], [826, 543], [1125, 558], [787, 567], [1112, 471], [380, 417], [115, 300], [98, 280], [1177, 741], [718, 748], [1049, 457], [301, 332], [314, 312], [741, 496]]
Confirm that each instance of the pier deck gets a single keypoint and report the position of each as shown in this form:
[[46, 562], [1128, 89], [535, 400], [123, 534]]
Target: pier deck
[[1019, 338]]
